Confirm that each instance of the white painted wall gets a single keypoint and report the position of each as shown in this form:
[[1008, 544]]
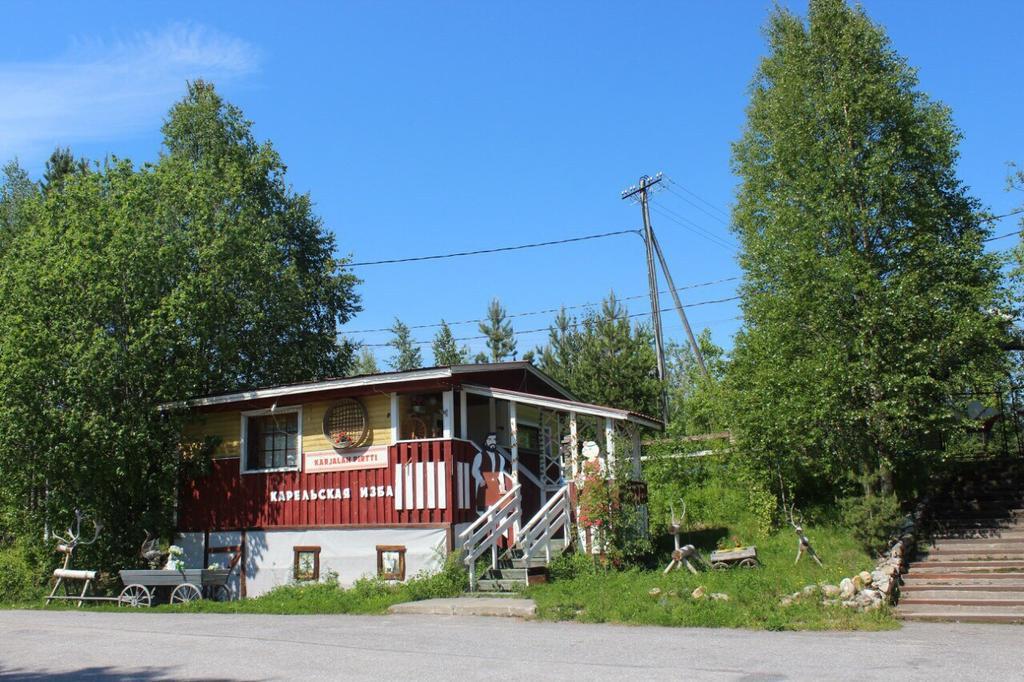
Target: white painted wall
[[351, 553]]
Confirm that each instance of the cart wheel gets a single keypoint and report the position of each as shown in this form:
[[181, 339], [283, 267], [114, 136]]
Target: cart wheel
[[184, 593], [719, 565], [135, 596], [220, 593], [749, 563]]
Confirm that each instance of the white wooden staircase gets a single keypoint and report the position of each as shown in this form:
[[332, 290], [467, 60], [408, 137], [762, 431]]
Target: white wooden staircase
[[527, 553]]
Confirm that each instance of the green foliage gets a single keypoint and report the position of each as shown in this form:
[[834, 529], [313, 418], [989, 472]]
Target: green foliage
[[23, 573], [718, 491], [608, 596], [604, 358], [572, 565], [126, 288], [873, 520], [501, 340], [368, 595], [696, 402], [867, 290], [365, 363], [446, 350], [407, 353]]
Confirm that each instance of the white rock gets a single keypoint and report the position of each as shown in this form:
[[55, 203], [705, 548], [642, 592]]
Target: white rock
[[699, 592], [831, 591], [847, 589], [720, 596]]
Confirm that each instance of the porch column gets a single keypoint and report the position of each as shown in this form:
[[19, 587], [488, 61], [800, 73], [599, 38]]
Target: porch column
[[395, 418], [574, 446], [609, 444], [513, 441], [448, 413], [463, 417], [637, 470], [493, 424]]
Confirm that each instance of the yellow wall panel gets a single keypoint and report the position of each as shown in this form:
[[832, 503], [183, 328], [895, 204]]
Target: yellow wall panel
[[228, 426]]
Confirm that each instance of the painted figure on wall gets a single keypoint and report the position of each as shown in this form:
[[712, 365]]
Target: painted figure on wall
[[489, 466]]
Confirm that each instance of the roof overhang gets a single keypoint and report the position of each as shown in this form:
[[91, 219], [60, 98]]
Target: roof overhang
[[432, 374], [565, 405]]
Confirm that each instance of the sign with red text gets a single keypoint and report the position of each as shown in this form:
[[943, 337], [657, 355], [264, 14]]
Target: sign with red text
[[372, 457]]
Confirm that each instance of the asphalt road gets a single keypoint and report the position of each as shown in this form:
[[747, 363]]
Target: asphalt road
[[36, 645]]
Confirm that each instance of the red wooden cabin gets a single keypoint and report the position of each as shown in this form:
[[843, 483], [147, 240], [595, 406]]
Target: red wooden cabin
[[461, 457]]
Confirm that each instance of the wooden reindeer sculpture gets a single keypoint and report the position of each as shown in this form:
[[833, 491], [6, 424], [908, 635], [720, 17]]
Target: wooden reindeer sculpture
[[68, 544], [682, 555], [803, 543]]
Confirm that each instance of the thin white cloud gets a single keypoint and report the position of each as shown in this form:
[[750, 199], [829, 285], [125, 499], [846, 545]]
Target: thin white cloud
[[102, 90]]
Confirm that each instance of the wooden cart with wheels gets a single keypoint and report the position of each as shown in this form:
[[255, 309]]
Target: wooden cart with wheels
[[744, 557], [148, 587]]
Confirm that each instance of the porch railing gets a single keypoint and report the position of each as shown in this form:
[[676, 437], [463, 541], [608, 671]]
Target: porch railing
[[555, 515], [484, 533]]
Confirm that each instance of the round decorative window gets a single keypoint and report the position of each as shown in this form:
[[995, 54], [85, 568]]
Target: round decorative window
[[345, 424]]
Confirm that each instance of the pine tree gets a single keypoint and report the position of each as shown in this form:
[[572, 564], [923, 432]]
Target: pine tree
[[365, 363], [446, 350], [61, 164], [866, 285], [407, 353], [604, 358], [501, 340]]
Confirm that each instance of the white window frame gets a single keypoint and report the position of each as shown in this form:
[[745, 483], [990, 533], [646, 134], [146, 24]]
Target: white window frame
[[244, 441]]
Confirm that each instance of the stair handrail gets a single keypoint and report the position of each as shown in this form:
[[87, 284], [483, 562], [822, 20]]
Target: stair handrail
[[484, 533], [553, 516]]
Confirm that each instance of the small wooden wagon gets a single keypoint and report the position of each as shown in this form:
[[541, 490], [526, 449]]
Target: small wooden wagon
[[144, 587], [745, 557]]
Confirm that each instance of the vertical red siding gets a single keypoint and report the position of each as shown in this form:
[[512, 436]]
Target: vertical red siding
[[226, 499]]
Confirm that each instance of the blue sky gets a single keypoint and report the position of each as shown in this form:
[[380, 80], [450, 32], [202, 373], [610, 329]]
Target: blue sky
[[423, 128]]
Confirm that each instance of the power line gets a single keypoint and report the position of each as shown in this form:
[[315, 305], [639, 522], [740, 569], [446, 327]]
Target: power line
[[542, 329], [495, 250], [539, 312], [698, 198], [688, 224], [1000, 217], [698, 207]]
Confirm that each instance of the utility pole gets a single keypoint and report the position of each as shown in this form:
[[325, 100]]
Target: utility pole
[[640, 192], [679, 307]]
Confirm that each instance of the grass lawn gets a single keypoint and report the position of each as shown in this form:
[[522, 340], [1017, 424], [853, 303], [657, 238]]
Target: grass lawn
[[579, 591], [608, 596]]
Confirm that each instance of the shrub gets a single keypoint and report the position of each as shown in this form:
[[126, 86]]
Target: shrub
[[873, 519], [571, 565], [22, 575]]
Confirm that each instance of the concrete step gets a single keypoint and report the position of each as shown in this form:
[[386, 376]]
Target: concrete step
[[491, 585], [980, 554], [964, 597], [973, 544], [968, 565], [1014, 534], [966, 614], [988, 586]]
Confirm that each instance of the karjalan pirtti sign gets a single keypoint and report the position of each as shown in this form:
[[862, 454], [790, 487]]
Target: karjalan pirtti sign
[[371, 457]]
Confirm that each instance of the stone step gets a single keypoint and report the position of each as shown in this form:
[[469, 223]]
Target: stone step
[[967, 614]]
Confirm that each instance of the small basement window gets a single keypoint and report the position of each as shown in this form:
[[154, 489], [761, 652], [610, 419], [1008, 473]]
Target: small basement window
[[391, 562], [307, 564], [271, 440]]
